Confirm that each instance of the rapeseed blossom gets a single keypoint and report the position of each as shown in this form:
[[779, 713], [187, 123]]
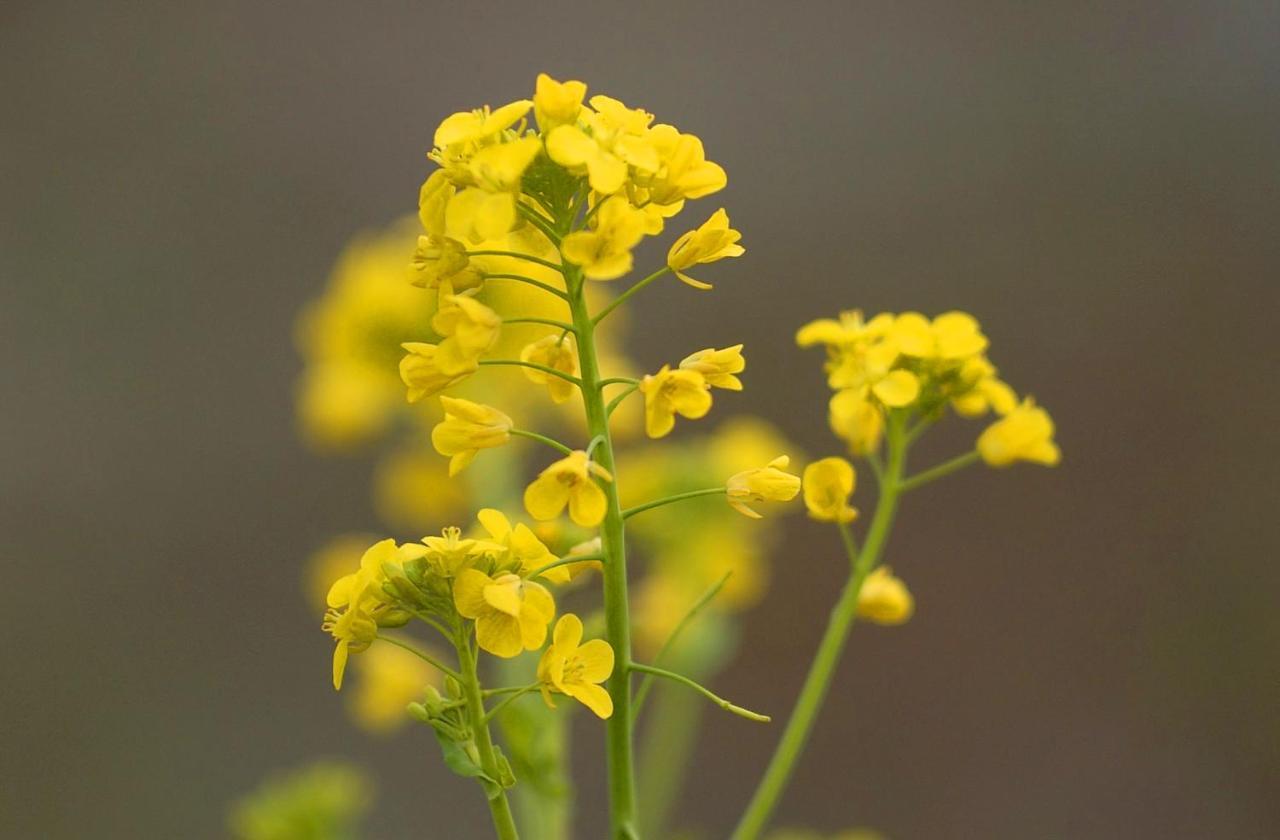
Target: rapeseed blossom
[[828, 484], [768, 483], [511, 613], [1025, 434], [572, 667], [467, 428], [885, 599], [570, 481]]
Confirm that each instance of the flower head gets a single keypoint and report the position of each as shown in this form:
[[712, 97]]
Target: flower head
[[523, 546], [718, 366], [569, 481], [828, 484], [604, 250], [668, 392], [557, 353], [767, 483], [576, 669], [713, 241], [467, 428], [1024, 434], [468, 128], [511, 613], [449, 554], [885, 599], [421, 372], [951, 336]]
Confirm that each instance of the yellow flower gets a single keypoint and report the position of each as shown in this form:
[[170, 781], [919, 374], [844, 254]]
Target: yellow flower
[[885, 599], [413, 491], [577, 151], [569, 482], [684, 172], [354, 630], [523, 546], [390, 679], [556, 103], [422, 374], [433, 202], [511, 614], [467, 428], [981, 391], [604, 251], [1025, 434], [469, 329], [449, 553], [857, 420], [576, 669], [439, 259], [714, 240], [490, 208], [862, 357], [828, 484], [467, 127], [718, 366], [610, 144], [951, 336], [557, 353], [767, 483], [670, 392]]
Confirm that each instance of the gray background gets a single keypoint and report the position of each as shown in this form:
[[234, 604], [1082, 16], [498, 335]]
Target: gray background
[[1095, 653]]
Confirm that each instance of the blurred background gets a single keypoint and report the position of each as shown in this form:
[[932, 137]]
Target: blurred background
[[1096, 651]]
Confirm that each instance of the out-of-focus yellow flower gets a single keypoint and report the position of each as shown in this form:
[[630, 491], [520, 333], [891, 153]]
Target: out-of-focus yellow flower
[[668, 392], [951, 336], [604, 250], [885, 599], [713, 241], [342, 404], [979, 390], [569, 481], [413, 491], [421, 372], [469, 329], [828, 484], [571, 667], [522, 545], [1025, 434], [557, 353], [442, 259], [718, 366], [768, 483], [862, 357], [390, 678], [857, 420], [450, 552], [467, 428], [557, 103], [685, 171], [511, 613]]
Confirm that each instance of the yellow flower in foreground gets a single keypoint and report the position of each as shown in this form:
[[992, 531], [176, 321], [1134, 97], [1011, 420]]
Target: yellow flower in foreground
[[467, 428], [714, 240], [1025, 434], [828, 484], [449, 553], [576, 669], [718, 366], [421, 373], [857, 420], [354, 629], [523, 546], [604, 251], [767, 483], [557, 353], [670, 392], [469, 328], [473, 126], [885, 599], [390, 678], [569, 482], [556, 103], [511, 614], [685, 171]]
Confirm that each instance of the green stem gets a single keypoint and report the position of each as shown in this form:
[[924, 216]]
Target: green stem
[[528, 281], [519, 256], [551, 322], [499, 808], [664, 758], [756, 818], [617, 401], [945, 468], [701, 689], [618, 755], [622, 298], [667, 500], [646, 685], [539, 221], [619, 380], [430, 660], [513, 696], [540, 438], [549, 371], [564, 561]]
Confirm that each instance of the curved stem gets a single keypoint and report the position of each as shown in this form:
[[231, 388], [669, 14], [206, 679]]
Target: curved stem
[[756, 818], [539, 221], [617, 401], [513, 696], [425, 657], [564, 561], [499, 808], [619, 380], [529, 281], [549, 441], [618, 728], [551, 322], [701, 689], [549, 371], [667, 500], [517, 255], [646, 685], [945, 468], [622, 298]]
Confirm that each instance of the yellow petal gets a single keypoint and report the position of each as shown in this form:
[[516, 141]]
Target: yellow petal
[[593, 697], [468, 592], [499, 634], [568, 632], [596, 657], [339, 663], [587, 504], [545, 497], [495, 522], [898, 389], [504, 596]]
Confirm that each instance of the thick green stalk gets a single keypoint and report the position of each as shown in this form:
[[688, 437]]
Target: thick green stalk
[[756, 818], [503, 822], [622, 806]]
